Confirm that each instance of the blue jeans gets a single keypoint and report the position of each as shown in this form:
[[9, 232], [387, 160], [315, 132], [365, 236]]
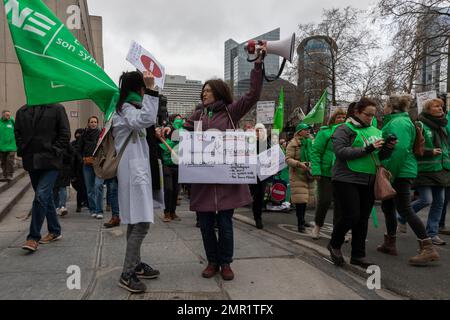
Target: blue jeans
[[219, 251], [43, 204], [60, 197], [94, 188], [435, 197], [444, 210], [112, 195]]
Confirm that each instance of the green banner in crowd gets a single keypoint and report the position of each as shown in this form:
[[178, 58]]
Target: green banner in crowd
[[279, 115], [55, 66], [317, 114]]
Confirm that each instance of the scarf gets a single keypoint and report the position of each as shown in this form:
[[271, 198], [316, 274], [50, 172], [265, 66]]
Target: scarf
[[201, 110], [438, 127], [357, 122], [134, 97]]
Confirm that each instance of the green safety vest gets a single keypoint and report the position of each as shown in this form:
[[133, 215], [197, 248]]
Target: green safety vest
[[436, 163], [365, 137]]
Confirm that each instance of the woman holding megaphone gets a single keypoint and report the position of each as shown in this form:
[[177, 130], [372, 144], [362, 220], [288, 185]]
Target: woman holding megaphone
[[219, 111]]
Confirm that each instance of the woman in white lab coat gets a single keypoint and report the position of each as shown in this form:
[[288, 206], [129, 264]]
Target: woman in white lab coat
[[136, 110]]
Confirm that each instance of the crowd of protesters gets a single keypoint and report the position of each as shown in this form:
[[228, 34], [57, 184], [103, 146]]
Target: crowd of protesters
[[336, 164]]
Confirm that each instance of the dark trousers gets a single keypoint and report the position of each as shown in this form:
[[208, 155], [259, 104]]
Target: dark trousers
[[402, 202], [258, 191], [43, 204], [324, 199], [171, 189], [355, 203], [300, 210], [218, 250], [136, 234], [7, 163]]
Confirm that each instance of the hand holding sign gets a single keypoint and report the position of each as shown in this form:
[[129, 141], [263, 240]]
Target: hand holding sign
[[144, 61], [149, 80]]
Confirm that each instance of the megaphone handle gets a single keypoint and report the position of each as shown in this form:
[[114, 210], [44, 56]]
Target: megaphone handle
[[252, 60], [279, 73]]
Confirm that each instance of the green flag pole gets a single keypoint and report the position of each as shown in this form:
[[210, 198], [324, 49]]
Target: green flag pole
[[375, 218]]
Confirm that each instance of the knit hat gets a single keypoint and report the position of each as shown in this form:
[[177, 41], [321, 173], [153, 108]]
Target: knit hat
[[302, 126], [260, 126]]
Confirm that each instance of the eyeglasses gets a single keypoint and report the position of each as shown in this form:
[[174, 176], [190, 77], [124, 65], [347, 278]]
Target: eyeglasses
[[369, 115]]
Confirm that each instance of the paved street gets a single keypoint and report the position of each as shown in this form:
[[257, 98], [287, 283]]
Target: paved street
[[267, 266], [396, 275]]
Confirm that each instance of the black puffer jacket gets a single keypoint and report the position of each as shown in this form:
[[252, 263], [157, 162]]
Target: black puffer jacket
[[42, 133], [88, 142]]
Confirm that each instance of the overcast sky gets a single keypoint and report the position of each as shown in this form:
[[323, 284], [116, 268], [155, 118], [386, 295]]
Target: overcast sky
[[188, 37]]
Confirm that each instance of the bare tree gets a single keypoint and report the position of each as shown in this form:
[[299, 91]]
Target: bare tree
[[421, 30], [349, 42]]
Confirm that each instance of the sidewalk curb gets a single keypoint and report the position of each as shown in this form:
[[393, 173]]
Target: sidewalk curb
[[6, 186], [15, 199]]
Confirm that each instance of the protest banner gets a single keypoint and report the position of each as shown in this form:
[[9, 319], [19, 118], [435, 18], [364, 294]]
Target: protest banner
[[216, 157]]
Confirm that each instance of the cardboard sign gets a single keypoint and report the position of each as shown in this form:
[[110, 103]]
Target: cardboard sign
[[143, 60], [265, 112], [218, 158], [270, 162]]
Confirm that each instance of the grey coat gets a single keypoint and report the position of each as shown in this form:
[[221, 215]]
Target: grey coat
[[218, 197]]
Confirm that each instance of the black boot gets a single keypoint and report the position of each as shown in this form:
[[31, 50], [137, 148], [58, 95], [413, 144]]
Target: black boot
[[259, 224]]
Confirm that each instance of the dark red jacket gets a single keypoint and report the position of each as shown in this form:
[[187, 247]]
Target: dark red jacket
[[218, 197]]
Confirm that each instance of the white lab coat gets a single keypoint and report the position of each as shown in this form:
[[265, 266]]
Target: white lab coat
[[134, 175]]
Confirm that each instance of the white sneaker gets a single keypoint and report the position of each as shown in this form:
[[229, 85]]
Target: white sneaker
[[99, 216], [58, 212], [316, 233], [438, 241], [93, 215]]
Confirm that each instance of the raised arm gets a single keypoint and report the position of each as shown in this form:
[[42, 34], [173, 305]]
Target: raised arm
[[241, 107]]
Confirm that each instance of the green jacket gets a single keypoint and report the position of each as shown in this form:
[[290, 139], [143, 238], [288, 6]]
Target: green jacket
[[7, 138], [305, 150], [402, 163], [364, 137], [433, 163], [322, 153]]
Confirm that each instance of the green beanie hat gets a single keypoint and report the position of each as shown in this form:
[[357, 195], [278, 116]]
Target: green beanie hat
[[301, 127]]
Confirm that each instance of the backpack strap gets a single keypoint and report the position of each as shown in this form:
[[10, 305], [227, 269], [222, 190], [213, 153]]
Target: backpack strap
[[231, 119]]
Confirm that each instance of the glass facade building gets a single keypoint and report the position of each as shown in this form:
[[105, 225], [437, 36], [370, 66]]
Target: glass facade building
[[237, 68]]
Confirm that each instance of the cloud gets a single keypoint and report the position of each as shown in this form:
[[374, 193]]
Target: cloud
[[188, 36]]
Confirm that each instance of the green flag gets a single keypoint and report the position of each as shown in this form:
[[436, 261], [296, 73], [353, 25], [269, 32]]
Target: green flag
[[55, 66], [279, 115], [317, 114]]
